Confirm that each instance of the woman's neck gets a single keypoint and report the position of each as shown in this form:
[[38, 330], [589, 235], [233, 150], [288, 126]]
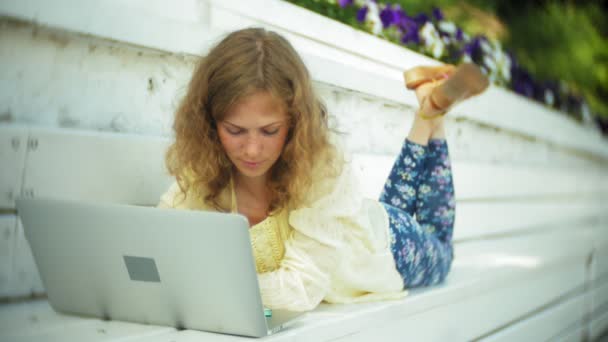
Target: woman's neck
[[256, 187]]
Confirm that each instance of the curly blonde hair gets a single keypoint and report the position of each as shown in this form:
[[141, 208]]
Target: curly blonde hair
[[243, 63]]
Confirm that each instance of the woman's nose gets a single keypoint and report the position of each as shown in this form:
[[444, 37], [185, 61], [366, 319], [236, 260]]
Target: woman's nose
[[253, 147]]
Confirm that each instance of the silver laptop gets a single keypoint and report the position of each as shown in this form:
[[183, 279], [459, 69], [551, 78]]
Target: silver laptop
[[181, 268]]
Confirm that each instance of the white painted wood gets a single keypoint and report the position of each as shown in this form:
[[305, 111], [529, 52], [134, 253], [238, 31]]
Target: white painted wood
[[25, 280], [130, 169], [545, 325], [63, 79], [13, 146], [600, 260], [195, 336], [475, 219], [34, 317], [599, 297], [598, 326], [97, 166], [36, 321], [484, 275], [323, 53], [489, 181], [55, 80], [576, 334], [8, 233], [463, 320], [328, 325], [167, 26]]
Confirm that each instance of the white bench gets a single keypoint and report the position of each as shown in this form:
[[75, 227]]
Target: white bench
[[539, 284]]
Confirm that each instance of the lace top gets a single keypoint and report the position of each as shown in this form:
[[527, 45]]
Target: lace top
[[267, 237]]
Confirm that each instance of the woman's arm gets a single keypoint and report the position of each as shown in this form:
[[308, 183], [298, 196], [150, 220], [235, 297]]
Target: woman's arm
[[316, 247], [304, 277]]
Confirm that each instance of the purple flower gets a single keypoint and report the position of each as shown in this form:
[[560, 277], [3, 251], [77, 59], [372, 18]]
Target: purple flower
[[408, 27], [411, 36], [473, 49], [437, 14], [386, 16], [421, 19], [362, 13], [344, 3], [459, 35], [398, 14]]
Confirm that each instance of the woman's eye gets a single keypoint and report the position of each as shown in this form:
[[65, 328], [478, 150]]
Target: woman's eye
[[273, 132], [234, 131]]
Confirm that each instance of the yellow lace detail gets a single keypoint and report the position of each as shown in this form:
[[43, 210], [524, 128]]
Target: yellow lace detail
[[267, 238]]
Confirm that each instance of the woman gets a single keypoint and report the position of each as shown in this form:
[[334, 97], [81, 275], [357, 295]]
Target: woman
[[252, 137]]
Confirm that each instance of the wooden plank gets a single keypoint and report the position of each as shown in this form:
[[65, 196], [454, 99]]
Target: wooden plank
[[197, 336], [13, 147], [128, 70], [599, 297], [484, 274], [600, 260], [94, 154], [97, 166], [480, 268], [598, 325], [129, 169], [25, 278], [36, 321], [576, 334], [465, 319], [546, 324], [8, 232], [475, 219], [34, 317], [489, 181]]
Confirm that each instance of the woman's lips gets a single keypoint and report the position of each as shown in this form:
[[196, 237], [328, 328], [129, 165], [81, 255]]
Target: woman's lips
[[251, 165]]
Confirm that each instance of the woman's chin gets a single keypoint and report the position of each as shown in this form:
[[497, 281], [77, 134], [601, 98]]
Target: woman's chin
[[252, 173]]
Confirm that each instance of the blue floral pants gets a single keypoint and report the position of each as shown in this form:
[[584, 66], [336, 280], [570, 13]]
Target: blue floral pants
[[420, 184]]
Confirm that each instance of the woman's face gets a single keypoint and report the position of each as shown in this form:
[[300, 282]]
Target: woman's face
[[253, 134]]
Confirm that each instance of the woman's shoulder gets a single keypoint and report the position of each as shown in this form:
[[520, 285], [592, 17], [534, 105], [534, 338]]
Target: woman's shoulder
[[334, 184]]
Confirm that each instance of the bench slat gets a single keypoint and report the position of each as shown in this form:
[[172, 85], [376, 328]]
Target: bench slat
[[574, 335], [475, 219], [600, 260], [25, 279], [102, 167], [479, 279], [125, 159], [466, 319], [545, 325], [36, 321], [13, 147], [476, 180], [598, 325], [8, 230], [599, 297]]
